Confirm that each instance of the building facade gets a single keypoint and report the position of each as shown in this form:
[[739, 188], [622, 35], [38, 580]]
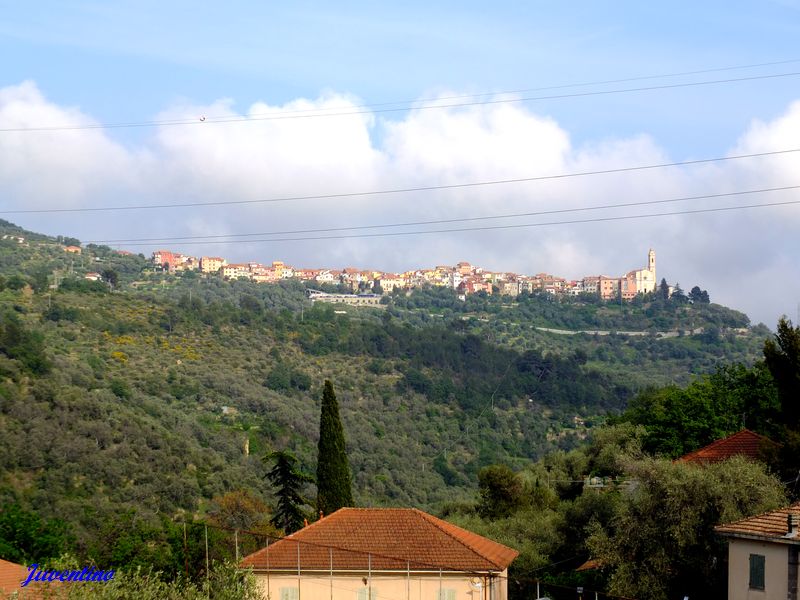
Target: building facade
[[763, 555], [373, 553], [211, 264]]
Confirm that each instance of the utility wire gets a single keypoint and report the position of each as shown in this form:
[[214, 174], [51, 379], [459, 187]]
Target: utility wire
[[443, 221], [425, 188], [202, 120], [570, 85], [516, 91], [490, 227], [417, 562]]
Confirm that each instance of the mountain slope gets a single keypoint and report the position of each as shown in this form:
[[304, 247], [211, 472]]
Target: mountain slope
[[165, 392]]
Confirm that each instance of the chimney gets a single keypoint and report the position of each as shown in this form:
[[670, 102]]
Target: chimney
[[792, 524]]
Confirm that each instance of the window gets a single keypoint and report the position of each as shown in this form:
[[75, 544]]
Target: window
[[367, 594], [291, 593], [446, 594], [757, 571]]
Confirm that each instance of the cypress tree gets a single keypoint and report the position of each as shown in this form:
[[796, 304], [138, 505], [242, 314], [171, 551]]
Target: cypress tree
[[333, 470], [663, 290]]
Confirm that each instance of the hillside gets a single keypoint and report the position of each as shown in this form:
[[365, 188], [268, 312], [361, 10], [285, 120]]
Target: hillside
[[664, 352], [164, 392]]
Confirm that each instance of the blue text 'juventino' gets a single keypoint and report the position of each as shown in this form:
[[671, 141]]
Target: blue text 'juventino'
[[87, 574]]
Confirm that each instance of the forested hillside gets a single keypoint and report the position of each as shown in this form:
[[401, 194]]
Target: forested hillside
[[151, 394], [646, 520]]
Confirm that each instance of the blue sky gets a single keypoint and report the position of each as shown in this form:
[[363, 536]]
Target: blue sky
[[127, 60], [135, 61]]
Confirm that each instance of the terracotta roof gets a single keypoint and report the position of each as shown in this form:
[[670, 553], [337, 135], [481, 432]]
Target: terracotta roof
[[591, 565], [382, 539], [744, 443], [771, 525], [11, 575]]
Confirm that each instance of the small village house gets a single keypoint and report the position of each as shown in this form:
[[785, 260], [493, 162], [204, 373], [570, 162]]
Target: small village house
[[763, 555], [374, 553], [211, 264]]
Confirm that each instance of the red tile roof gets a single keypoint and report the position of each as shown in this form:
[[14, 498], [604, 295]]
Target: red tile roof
[[382, 539], [744, 443], [11, 575], [770, 525], [591, 565]]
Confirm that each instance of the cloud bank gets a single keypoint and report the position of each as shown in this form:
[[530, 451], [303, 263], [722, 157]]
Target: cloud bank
[[746, 259]]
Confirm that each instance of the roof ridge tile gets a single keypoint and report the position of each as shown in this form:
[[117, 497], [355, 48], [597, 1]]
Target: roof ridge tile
[[436, 522]]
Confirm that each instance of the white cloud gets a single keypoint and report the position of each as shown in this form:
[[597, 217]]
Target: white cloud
[[64, 168], [745, 259]]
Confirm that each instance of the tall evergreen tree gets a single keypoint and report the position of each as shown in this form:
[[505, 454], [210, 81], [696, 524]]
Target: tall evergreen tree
[[663, 290], [782, 356], [289, 480], [333, 470]]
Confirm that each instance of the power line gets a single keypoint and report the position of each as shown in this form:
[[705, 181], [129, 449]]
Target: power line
[[418, 563], [490, 227], [574, 85], [357, 110], [314, 544], [425, 188], [502, 92], [442, 221]]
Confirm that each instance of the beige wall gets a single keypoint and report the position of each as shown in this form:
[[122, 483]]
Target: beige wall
[[385, 586], [776, 570]]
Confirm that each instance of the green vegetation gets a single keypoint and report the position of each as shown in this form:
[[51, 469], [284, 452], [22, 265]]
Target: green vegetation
[[763, 398], [782, 358], [334, 487], [225, 582], [661, 544], [679, 420], [288, 481], [648, 521], [622, 501], [26, 537], [501, 492], [641, 360], [136, 403]]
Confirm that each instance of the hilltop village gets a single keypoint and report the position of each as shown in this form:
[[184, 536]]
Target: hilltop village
[[464, 277]]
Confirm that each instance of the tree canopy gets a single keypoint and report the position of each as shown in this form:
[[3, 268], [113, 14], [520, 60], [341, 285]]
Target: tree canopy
[[288, 481], [782, 357], [334, 482], [662, 544]]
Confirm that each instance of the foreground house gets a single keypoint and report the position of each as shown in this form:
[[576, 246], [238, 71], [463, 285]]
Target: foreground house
[[374, 553], [763, 555]]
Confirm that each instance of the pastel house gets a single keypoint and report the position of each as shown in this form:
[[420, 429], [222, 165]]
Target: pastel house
[[382, 553]]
